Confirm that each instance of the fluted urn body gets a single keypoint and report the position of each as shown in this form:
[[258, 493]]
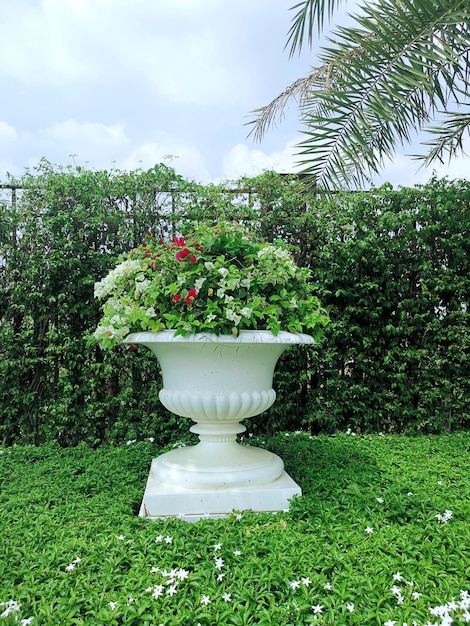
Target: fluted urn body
[[217, 381]]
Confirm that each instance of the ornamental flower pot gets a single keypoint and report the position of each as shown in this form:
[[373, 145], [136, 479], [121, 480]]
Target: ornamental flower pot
[[217, 381], [194, 301]]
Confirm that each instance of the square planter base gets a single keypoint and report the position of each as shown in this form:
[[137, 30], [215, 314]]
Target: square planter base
[[161, 500]]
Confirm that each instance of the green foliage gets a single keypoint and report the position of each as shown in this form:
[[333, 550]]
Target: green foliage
[[397, 68], [74, 552], [392, 267]]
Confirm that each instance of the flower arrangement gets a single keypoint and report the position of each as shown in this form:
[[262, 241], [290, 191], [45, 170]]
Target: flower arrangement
[[218, 279]]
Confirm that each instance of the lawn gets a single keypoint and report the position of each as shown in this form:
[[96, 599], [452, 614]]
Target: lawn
[[381, 536]]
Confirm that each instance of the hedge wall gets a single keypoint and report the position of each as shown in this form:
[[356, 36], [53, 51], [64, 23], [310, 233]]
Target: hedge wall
[[392, 267]]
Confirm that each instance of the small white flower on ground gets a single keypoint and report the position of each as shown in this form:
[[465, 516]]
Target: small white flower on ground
[[11, 607], [172, 589], [168, 539], [445, 517], [70, 567], [158, 591], [410, 493], [369, 530], [317, 608], [416, 595], [151, 439], [294, 584], [219, 563], [182, 574], [237, 552], [227, 597], [217, 547], [306, 581], [129, 442], [205, 600], [220, 577], [328, 586], [112, 605], [390, 622], [25, 622], [159, 538], [239, 516], [121, 538], [380, 500], [398, 577], [350, 606]]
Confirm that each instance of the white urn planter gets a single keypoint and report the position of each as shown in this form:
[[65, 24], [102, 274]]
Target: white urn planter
[[217, 381]]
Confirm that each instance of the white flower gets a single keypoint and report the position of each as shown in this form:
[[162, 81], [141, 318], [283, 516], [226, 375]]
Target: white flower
[[234, 317], [306, 581], [227, 597], [112, 605], [159, 538], [328, 586], [445, 517], [70, 567], [168, 539], [223, 271], [12, 607], [369, 530], [150, 312], [220, 577], [211, 317], [26, 622], [219, 563], [246, 312], [350, 606], [294, 584], [317, 608], [237, 552], [380, 500], [172, 589], [199, 283], [182, 574], [398, 577], [208, 265], [158, 591], [205, 600], [119, 274]]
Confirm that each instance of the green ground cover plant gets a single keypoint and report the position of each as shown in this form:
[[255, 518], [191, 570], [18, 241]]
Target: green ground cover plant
[[380, 537]]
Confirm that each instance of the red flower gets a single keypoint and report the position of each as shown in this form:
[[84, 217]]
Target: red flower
[[179, 241], [188, 300], [192, 293], [177, 297], [182, 254], [160, 240], [193, 259]]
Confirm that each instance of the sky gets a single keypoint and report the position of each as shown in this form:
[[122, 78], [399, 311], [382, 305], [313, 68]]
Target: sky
[[127, 84]]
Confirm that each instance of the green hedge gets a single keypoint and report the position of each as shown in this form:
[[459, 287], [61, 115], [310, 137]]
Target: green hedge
[[392, 267]]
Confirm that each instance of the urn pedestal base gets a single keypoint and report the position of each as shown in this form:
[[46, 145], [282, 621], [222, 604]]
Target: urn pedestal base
[[192, 504]]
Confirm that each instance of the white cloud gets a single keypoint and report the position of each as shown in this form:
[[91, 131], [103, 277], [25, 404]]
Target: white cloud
[[187, 160], [244, 161], [7, 133]]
